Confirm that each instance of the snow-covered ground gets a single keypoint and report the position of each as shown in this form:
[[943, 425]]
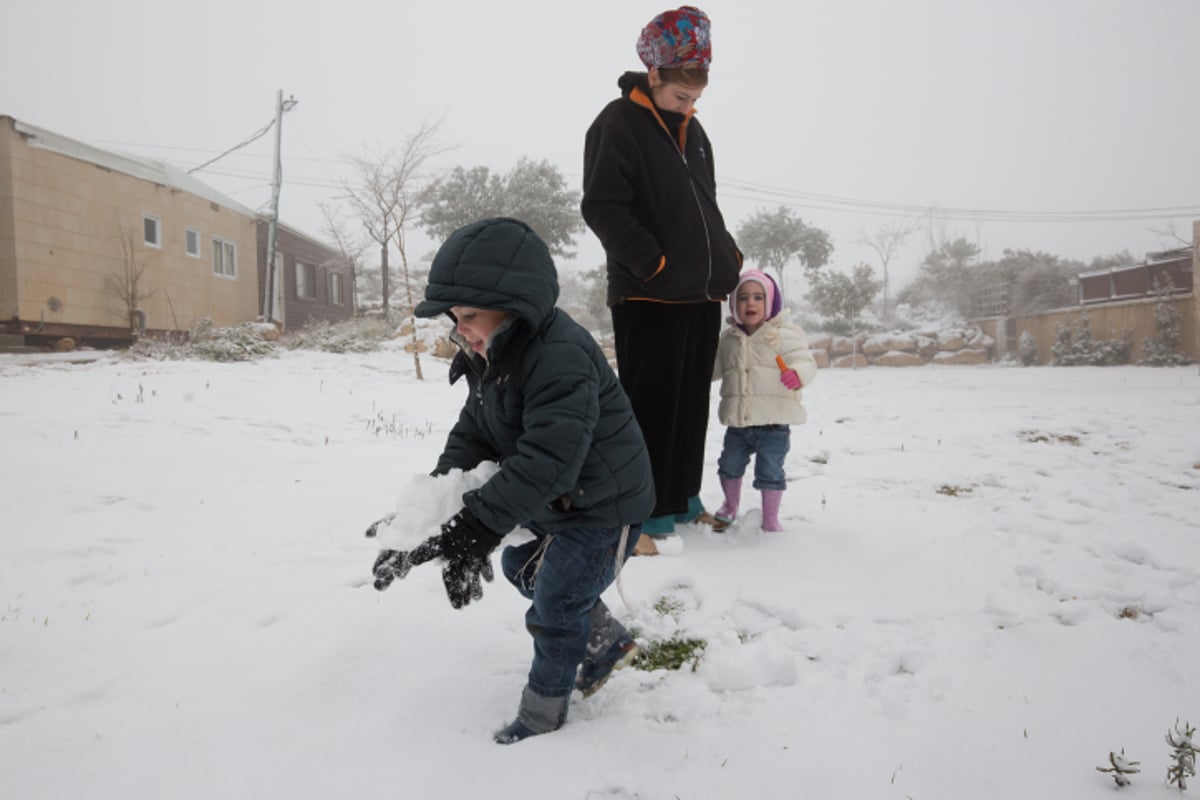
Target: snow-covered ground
[[990, 579]]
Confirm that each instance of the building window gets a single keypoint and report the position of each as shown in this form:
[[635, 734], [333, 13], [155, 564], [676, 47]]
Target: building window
[[224, 258], [335, 289], [191, 242], [152, 230], [306, 281]]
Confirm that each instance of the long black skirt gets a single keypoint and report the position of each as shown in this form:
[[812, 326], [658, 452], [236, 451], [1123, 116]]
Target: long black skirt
[[665, 355]]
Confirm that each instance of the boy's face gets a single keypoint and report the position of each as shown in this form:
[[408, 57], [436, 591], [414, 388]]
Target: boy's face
[[751, 305], [477, 325]]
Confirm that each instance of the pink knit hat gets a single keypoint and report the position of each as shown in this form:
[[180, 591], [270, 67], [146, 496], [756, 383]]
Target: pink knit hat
[[774, 296]]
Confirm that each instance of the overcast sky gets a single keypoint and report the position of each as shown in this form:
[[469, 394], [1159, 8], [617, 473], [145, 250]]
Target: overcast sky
[[854, 113]]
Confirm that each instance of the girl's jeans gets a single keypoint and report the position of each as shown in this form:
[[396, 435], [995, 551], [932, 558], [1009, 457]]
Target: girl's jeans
[[564, 580], [768, 443]]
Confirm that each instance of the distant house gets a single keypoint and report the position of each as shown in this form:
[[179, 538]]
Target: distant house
[[1169, 271], [315, 282], [95, 245]]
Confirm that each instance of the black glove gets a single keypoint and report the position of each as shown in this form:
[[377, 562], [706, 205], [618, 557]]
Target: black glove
[[390, 564], [466, 544], [393, 564]]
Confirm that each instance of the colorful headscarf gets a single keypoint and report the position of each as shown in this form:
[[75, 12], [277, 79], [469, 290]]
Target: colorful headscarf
[[774, 296], [676, 38]]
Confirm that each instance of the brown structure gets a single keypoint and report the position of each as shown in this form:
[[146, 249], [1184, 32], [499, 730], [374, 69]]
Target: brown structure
[[1170, 270], [314, 282], [97, 245]]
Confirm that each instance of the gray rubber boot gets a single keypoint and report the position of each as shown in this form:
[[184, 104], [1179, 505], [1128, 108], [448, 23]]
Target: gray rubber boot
[[537, 715], [609, 648], [606, 631]]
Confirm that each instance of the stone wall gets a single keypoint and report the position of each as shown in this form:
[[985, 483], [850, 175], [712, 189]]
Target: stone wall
[[910, 349], [967, 345]]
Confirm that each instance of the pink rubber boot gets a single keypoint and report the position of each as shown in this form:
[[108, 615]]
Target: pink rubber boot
[[770, 509], [733, 498]]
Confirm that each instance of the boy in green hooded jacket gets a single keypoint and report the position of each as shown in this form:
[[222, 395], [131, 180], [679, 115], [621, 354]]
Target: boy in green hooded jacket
[[546, 406]]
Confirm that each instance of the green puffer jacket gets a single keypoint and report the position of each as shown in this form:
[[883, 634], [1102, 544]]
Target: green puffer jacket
[[545, 404]]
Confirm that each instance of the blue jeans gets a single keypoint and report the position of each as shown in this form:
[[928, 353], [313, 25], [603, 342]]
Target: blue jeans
[[768, 443], [564, 575]]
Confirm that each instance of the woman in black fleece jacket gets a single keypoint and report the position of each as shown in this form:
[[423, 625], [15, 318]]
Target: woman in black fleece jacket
[[649, 195]]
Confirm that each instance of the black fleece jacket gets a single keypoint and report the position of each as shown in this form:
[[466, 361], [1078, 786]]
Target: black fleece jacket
[[649, 194]]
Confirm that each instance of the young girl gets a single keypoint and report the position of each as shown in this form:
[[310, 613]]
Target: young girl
[[763, 362]]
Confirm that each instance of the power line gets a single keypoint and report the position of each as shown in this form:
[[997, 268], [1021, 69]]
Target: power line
[[193, 149], [835, 203], [334, 182], [756, 192], [314, 183], [257, 134]]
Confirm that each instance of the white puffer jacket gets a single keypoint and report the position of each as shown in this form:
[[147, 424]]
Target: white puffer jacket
[[751, 392]]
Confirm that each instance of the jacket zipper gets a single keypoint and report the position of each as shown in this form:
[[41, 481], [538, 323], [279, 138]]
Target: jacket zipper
[[691, 183]]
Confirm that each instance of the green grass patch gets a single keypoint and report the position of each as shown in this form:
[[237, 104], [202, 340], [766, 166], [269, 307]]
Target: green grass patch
[[674, 654]]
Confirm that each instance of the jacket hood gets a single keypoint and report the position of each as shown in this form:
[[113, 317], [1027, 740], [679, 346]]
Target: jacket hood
[[633, 80], [497, 263]]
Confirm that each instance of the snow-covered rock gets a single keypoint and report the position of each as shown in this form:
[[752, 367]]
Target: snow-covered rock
[[963, 356], [897, 358], [885, 342]]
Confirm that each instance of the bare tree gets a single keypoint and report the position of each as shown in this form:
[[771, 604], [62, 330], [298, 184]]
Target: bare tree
[[388, 189], [125, 284], [1169, 234], [885, 242], [350, 246]]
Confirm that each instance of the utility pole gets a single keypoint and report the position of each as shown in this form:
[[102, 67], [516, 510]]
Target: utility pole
[[272, 278]]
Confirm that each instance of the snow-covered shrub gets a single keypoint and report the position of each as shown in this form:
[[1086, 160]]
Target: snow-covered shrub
[[1121, 768], [432, 335], [926, 316], [838, 327], [1162, 349], [357, 335], [1075, 346], [169, 347], [1183, 754], [1027, 349], [243, 342]]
